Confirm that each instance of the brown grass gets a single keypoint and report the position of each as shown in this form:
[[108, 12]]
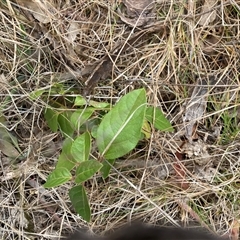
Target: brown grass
[[167, 57]]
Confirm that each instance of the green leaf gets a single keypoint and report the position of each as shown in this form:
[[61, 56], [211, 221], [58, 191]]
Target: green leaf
[[80, 203], [99, 105], [80, 116], [86, 170], [65, 125], [94, 131], [58, 177], [80, 101], [158, 120], [36, 94], [81, 147], [120, 129], [105, 170], [146, 129], [51, 117], [90, 124], [66, 160]]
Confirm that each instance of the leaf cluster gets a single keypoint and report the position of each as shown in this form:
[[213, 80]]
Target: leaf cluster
[[116, 130]]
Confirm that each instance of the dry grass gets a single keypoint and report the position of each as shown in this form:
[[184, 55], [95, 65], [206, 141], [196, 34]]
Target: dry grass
[[167, 58]]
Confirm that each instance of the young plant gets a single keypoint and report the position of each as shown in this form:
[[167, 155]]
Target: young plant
[[116, 131]]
